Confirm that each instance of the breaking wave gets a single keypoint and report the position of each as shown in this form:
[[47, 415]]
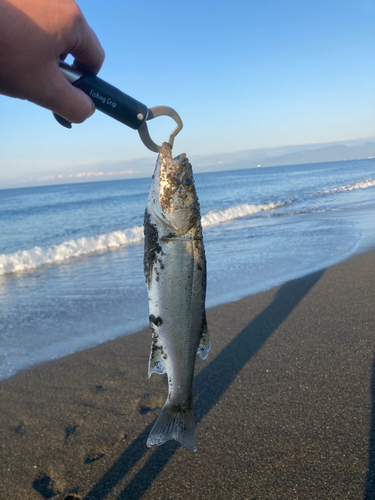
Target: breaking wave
[[217, 217], [24, 260], [351, 187]]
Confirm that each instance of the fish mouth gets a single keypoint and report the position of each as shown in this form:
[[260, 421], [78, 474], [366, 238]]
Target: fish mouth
[[166, 151], [180, 158], [168, 165], [172, 166]]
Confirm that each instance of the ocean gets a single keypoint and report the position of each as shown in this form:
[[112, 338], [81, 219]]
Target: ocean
[[71, 256]]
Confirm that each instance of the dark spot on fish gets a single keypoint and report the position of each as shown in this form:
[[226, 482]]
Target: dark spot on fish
[[188, 181], [199, 267], [154, 333], [152, 247], [157, 321], [155, 347]]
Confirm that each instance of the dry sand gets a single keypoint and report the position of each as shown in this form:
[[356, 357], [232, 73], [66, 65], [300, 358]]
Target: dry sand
[[285, 405]]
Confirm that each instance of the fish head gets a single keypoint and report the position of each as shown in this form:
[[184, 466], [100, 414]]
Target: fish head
[[173, 197]]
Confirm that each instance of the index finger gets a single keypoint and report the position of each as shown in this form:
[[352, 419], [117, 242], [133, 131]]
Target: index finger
[[87, 51]]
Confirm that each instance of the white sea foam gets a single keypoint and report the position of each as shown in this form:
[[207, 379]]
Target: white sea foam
[[30, 259], [24, 260], [351, 187], [217, 217]]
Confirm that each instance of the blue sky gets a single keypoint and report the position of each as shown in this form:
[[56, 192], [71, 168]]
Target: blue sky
[[241, 74]]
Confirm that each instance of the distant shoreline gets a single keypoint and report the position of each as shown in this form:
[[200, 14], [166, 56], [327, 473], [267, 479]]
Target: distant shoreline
[[267, 157]]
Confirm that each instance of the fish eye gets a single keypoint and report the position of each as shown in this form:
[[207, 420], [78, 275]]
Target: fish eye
[[188, 181]]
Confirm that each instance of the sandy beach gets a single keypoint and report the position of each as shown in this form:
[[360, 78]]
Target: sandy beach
[[284, 404]]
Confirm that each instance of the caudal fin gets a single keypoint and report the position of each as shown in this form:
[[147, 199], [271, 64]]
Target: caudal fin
[[174, 424]]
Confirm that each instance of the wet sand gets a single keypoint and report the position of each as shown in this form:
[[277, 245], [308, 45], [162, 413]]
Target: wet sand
[[284, 404]]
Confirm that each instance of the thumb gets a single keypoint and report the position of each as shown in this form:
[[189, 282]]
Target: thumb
[[66, 100]]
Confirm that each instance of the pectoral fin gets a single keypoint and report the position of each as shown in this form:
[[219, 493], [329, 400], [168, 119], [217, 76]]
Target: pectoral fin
[[175, 237]]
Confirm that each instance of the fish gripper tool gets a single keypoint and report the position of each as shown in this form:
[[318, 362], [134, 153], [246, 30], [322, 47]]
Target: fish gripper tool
[[120, 106]]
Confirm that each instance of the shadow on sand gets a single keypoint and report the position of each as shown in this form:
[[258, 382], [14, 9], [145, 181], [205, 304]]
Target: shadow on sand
[[370, 480], [209, 385]]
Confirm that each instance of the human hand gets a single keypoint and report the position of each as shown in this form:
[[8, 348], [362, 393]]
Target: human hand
[[34, 36]]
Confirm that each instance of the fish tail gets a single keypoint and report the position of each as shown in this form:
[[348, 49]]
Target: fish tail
[[175, 424]]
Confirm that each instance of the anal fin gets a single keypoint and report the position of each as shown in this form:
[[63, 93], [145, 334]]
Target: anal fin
[[204, 342], [156, 362]]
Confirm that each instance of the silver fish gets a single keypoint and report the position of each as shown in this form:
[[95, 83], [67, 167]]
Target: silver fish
[[175, 273]]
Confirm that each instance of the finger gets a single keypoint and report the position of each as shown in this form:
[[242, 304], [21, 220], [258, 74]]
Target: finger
[[88, 53], [65, 100]]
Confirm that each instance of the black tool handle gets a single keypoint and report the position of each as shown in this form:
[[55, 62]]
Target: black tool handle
[[112, 101], [106, 98]]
